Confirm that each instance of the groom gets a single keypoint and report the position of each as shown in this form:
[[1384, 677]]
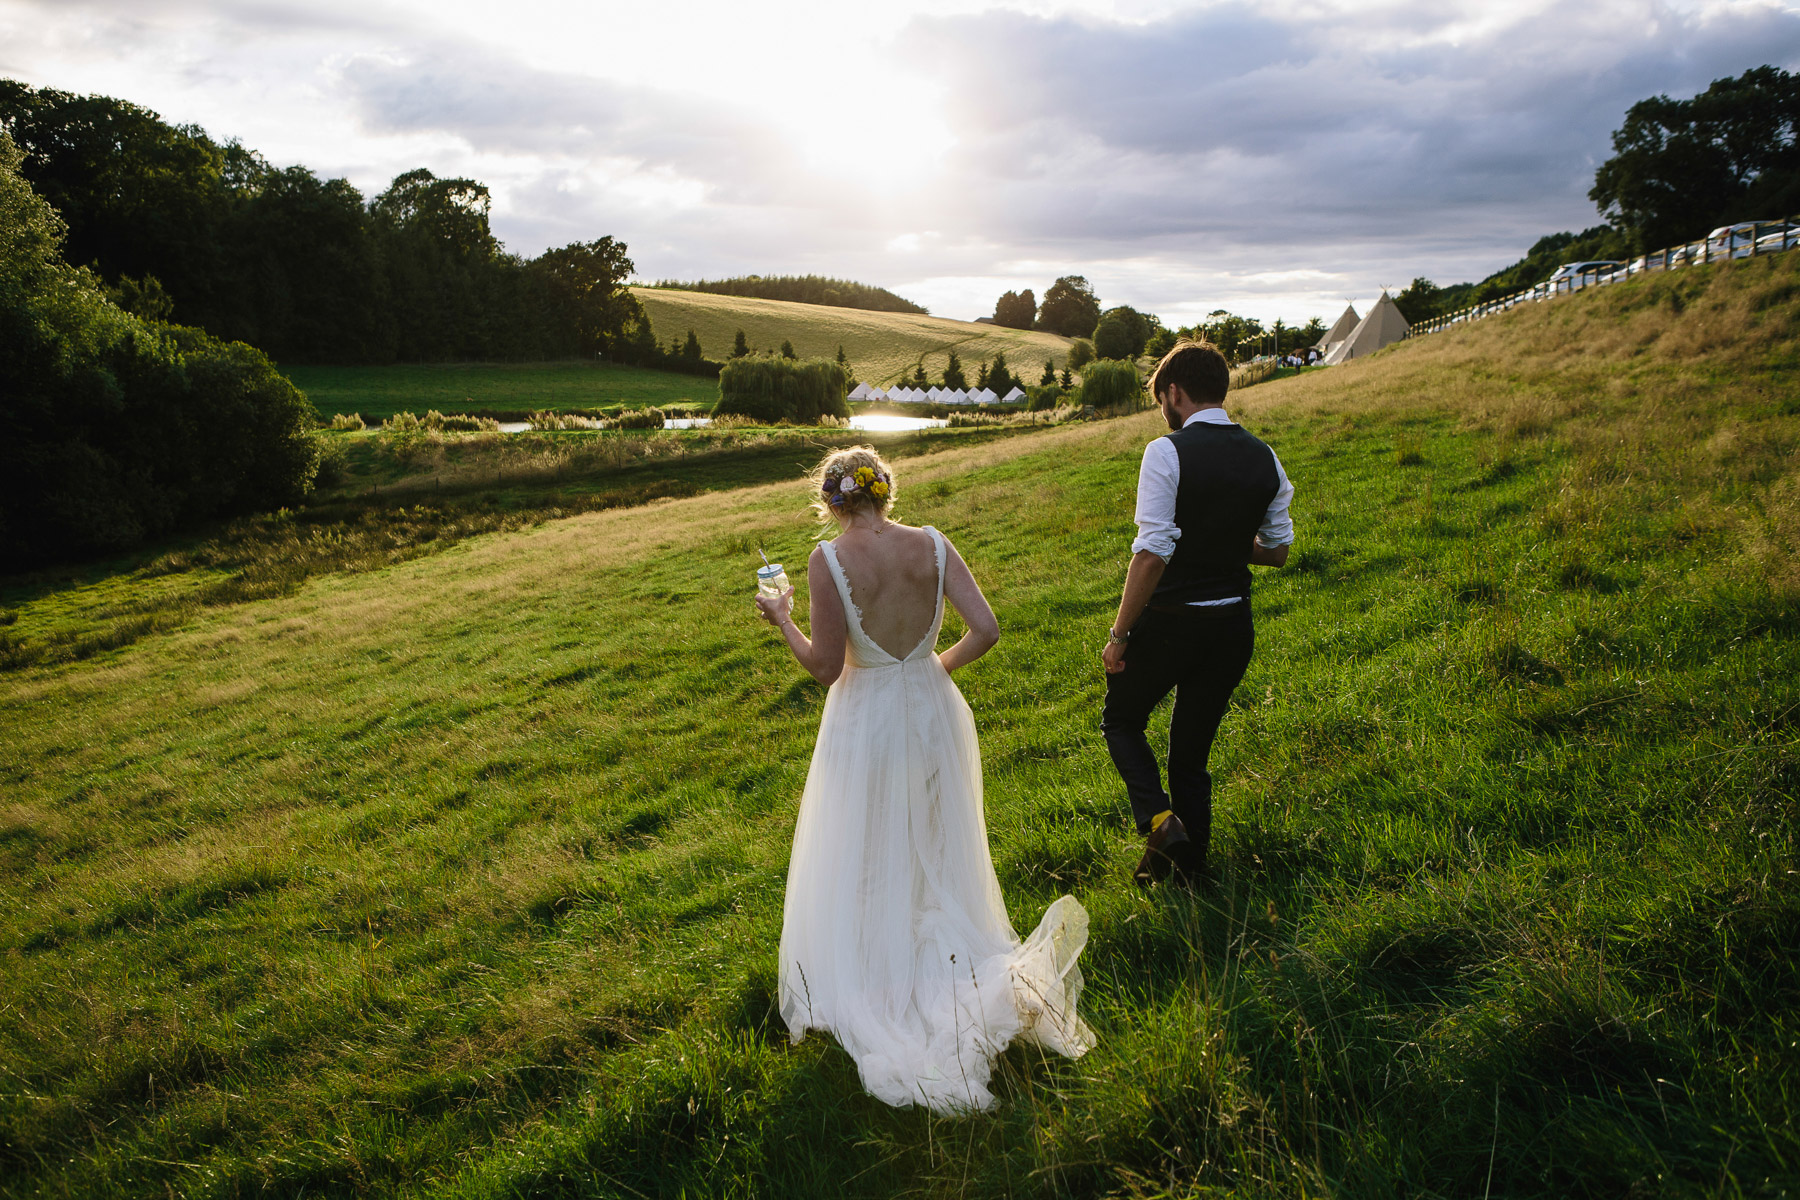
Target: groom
[[1212, 499]]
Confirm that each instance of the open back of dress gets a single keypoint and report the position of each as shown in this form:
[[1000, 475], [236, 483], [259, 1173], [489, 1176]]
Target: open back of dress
[[894, 937]]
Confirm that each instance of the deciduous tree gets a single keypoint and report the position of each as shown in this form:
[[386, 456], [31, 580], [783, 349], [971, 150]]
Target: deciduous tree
[[1016, 310], [1069, 308], [1681, 167]]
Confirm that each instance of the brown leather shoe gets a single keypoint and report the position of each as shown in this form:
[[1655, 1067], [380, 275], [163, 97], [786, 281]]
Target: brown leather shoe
[[1167, 850]]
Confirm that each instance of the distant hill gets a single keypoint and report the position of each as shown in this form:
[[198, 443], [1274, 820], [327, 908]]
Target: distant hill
[[802, 289], [881, 346]]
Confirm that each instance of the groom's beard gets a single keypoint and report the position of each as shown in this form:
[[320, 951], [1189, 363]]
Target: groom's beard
[[1169, 417]]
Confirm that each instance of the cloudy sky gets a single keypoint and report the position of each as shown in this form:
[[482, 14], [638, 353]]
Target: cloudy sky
[[1273, 159]]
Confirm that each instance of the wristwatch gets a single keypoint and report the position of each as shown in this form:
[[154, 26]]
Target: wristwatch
[[1118, 638]]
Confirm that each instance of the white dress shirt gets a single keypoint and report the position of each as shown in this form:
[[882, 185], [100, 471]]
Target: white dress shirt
[[1160, 475]]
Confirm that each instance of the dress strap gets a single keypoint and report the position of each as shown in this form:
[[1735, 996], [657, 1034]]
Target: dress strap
[[843, 583], [938, 545]]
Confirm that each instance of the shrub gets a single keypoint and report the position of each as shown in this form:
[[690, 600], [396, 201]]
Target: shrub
[[348, 421], [639, 418], [1081, 353], [545, 421], [733, 421], [403, 422], [118, 429], [333, 463], [1115, 385], [775, 389], [457, 422], [1040, 398]]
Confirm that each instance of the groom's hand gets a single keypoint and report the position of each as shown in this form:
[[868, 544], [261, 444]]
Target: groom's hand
[[1114, 657]]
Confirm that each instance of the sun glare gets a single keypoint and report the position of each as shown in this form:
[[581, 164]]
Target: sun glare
[[892, 129]]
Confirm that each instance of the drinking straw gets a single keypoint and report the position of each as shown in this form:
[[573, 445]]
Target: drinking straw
[[765, 557]]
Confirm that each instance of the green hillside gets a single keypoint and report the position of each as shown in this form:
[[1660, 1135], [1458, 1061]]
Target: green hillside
[[881, 346], [462, 875]]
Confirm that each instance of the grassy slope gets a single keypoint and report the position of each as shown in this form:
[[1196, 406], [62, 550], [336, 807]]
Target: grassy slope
[[464, 876], [378, 392], [880, 346]]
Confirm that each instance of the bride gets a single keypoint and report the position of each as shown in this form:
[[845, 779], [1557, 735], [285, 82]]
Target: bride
[[894, 937]]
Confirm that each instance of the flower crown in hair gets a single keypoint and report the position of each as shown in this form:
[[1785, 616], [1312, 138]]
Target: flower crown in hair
[[863, 479]]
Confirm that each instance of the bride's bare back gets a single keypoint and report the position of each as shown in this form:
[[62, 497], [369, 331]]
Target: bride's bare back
[[893, 578], [892, 573]]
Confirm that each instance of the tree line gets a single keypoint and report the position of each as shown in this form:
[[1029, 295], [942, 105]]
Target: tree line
[[1679, 169], [180, 227], [802, 289]]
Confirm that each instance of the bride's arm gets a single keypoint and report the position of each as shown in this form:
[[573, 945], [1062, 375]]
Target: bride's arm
[[823, 654], [964, 595]]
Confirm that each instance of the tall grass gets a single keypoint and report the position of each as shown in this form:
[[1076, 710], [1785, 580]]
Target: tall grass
[[463, 875]]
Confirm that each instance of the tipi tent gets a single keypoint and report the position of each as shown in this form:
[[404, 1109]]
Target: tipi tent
[[1012, 397], [1382, 327], [1346, 325], [860, 392], [956, 396], [985, 396]]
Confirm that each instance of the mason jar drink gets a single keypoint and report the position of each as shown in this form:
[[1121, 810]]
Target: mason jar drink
[[771, 580]]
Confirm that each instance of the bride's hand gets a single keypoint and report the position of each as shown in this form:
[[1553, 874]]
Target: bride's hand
[[775, 609]]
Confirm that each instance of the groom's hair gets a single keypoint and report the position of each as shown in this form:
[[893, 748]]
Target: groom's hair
[[1198, 368]]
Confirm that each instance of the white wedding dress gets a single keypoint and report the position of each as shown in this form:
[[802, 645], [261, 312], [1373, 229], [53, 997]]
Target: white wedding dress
[[895, 938]]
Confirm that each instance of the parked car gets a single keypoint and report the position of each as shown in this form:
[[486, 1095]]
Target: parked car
[[1742, 239], [1574, 275], [1780, 239]]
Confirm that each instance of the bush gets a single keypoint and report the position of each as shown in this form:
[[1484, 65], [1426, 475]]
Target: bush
[[639, 418], [544, 421], [1081, 353], [348, 421], [333, 463], [118, 429], [1111, 384], [776, 389], [435, 420], [1038, 399]]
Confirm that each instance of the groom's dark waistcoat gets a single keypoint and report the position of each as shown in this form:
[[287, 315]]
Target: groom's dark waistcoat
[[1228, 479]]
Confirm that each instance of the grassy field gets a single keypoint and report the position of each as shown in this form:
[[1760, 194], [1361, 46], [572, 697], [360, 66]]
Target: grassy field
[[378, 392], [461, 874], [881, 346]]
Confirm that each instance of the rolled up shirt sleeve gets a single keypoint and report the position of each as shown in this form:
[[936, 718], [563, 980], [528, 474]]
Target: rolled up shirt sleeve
[[1158, 477], [1277, 527]]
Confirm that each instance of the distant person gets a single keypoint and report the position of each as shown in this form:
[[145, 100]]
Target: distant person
[[894, 936], [1212, 499]]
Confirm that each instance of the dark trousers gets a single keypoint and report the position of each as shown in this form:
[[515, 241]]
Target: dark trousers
[[1200, 654]]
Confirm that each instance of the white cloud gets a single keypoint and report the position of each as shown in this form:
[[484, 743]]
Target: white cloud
[[1273, 159]]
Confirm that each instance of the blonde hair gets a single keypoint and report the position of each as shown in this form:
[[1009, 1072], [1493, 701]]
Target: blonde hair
[[836, 465]]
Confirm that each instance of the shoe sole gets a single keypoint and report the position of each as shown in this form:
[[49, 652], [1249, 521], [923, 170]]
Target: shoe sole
[[1177, 861]]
